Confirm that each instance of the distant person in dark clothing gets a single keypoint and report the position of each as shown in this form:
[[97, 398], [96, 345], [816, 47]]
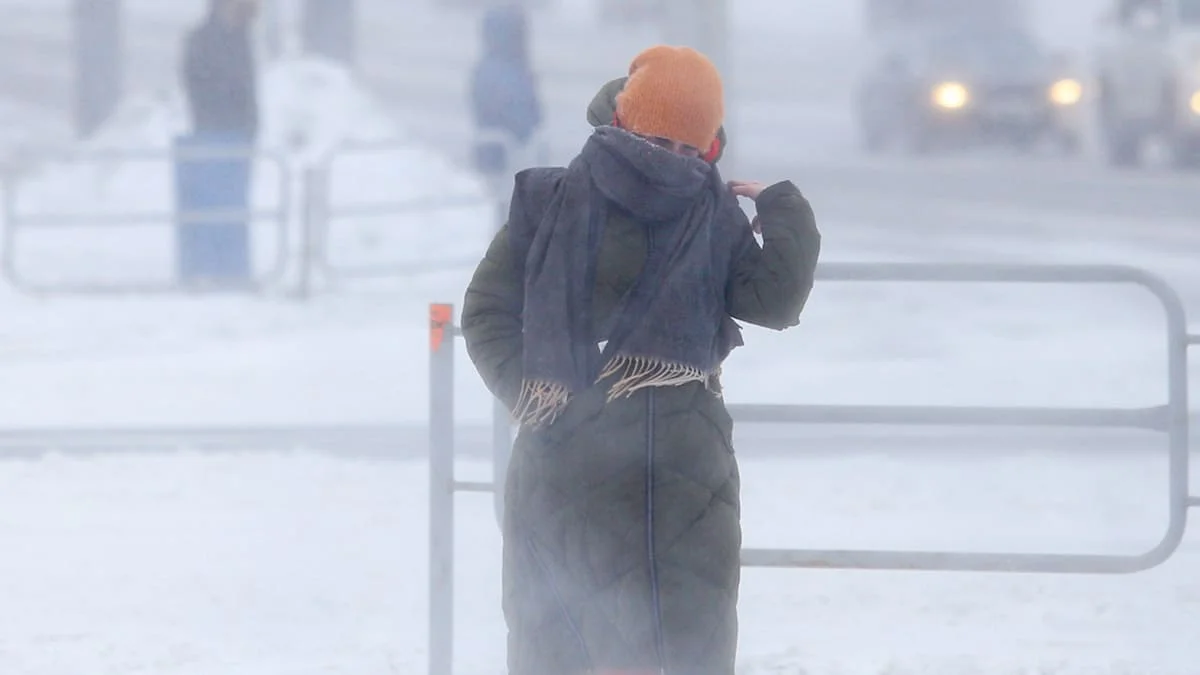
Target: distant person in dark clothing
[[213, 166], [504, 96], [219, 70]]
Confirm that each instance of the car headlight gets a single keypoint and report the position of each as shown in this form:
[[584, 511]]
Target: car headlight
[[1066, 92], [950, 95], [1194, 103]]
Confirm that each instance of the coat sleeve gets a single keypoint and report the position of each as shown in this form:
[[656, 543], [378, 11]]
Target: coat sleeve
[[769, 285], [491, 320]]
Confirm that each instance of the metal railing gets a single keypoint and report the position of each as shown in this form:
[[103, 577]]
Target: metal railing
[[324, 216], [1171, 418], [319, 217], [16, 221], [371, 439]]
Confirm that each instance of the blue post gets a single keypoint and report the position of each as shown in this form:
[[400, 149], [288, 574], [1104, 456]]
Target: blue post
[[213, 248]]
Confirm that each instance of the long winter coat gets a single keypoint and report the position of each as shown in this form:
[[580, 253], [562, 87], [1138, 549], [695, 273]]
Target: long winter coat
[[622, 532]]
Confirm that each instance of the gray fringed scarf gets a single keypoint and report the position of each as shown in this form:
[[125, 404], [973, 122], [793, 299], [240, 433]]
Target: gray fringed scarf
[[672, 327]]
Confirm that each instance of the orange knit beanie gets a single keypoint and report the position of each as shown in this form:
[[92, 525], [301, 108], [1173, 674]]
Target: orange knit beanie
[[673, 93]]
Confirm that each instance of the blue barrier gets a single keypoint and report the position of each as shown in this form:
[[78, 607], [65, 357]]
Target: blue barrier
[[212, 194]]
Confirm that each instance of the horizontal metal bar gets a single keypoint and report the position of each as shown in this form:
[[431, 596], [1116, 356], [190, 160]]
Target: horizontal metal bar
[[1193, 339], [351, 147], [1193, 502], [144, 288], [472, 486], [381, 209], [213, 151], [986, 272], [65, 220], [1155, 418], [384, 269], [234, 437], [933, 561]]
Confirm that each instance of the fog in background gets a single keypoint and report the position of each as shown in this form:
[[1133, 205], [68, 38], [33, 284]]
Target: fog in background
[[263, 558], [416, 55]]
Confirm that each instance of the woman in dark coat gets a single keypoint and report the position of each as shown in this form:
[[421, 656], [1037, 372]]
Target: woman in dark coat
[[600, 316]]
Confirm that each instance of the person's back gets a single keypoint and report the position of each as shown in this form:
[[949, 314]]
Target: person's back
[[219, 71], [503, 87], [600, 317]]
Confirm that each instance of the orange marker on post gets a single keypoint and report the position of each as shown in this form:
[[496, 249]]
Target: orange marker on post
[[440, 316]]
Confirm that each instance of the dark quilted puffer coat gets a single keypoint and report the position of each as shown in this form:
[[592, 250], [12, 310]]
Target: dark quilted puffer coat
[[622, 531]]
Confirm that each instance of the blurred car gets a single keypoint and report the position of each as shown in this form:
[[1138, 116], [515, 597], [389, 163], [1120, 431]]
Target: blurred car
[[1148, 80], [952, 87]]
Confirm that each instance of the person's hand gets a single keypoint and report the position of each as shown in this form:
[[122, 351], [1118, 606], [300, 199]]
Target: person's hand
[[749, 189]]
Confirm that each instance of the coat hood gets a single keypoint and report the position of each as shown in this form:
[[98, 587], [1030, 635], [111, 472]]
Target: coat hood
[[603, 109]]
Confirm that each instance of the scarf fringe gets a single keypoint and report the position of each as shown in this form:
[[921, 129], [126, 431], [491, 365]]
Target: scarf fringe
[[542, 402], [636, 373]]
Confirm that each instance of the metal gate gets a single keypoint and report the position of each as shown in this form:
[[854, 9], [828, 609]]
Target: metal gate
[[308, 188], [1170, 418], [323, 216], [16, 221]]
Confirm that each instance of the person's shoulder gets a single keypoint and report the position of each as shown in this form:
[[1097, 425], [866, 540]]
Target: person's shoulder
[[536, 185], [533, 191], [539, 173]]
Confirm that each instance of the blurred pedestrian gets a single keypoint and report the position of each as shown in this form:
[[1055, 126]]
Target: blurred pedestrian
[[505, 106], [600, 315], [219, 71], [213, 162]]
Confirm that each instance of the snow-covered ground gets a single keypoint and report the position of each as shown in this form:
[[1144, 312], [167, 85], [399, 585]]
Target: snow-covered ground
[[307, 564]]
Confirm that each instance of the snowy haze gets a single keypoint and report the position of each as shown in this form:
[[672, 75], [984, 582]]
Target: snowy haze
[[279, 559]]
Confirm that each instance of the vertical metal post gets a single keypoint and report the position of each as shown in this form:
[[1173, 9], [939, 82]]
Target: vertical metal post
[[501, 416], [98, 67], [441, 489], [501, 452], [1179, 434], [329, 29], [312, 221]]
